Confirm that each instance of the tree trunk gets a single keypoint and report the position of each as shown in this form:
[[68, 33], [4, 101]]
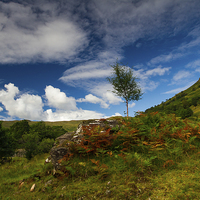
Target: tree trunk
[[127, 108]]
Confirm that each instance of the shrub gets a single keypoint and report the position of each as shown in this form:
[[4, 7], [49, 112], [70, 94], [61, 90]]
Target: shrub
[[185, 113], [45, 145], [40, 129], [17, 130], [6, 146], [31, 142]]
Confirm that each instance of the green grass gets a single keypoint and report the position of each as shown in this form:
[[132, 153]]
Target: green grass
[[121, 180], [152, 156], [178, 99], [67, 125]]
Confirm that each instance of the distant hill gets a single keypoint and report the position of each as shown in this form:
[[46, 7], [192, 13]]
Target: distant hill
[[67, 125], [184, 104]]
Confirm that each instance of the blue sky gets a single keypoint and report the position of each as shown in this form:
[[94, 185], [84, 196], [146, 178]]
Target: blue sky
[[55, 55]]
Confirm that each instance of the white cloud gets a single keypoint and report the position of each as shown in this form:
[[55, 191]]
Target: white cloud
[[126, 21], [193, 43], [131, 105], [57, 31], [177, 90], [27, 106], [24, 106], [28, 36], [181, 74], [80, 114], [193, 64], [116, 114], [58, 99], [93, 99], [179, 51], [197, 70], [111, 98], [145, 74], [165, 58], [94, 69], [149, 85], [90, 73], [157, 71], [104, 90]]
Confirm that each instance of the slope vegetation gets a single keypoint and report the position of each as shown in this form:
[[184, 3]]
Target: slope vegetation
[[184, 104], [150, 156]]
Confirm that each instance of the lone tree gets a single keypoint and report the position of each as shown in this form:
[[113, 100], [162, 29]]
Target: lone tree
[[124, 83]]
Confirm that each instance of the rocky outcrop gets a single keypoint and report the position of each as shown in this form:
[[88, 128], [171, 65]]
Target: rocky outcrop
[[67, 136], [57, 153], [62, 143]]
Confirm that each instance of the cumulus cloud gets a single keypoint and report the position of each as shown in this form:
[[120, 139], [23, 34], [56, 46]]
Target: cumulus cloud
[[34, 31], [116, 114], [104, 90], [80, 114], [93, 99], [131, 105], [58, 99], [23, 106], [29, 106]]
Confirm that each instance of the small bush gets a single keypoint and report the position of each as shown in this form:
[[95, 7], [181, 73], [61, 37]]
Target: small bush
[[45, 145], [185, 113]]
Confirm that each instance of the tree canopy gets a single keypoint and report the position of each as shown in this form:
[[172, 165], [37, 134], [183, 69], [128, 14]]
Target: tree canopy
[[124, 83]]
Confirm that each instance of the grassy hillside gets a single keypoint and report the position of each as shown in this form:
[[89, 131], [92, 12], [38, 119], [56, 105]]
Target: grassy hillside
[[152, 156], [67, 125], [189, 98]]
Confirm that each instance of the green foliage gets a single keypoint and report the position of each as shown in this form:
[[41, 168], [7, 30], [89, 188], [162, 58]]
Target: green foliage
[[190, 98], [185, 113], [54, 131], [17, 130], [150, 156], [45, 145], [124, 83], [35, 139], [195, 100], [40, 129], [31, 142], [139, 143], [6, 145]]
